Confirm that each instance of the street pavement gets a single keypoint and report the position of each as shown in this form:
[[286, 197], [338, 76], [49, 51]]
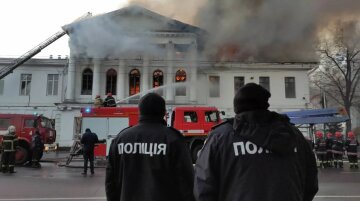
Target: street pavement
[[54, 181]]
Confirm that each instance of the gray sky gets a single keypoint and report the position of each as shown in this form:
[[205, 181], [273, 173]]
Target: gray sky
[[27, 23]]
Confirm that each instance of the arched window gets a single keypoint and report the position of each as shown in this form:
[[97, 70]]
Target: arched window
[[134, 82], [158, 80], [180, 76], [111, 77], [87, 81]]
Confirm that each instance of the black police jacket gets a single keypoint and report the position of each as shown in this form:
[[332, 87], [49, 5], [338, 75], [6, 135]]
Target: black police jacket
[[149, 162], [258, 156]]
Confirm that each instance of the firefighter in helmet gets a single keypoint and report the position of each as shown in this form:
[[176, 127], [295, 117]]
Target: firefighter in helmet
[[351, 149], [329, 154], [9, 144], [338, 150], [320, 149]]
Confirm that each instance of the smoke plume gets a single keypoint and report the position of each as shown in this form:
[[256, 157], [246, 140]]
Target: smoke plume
[[243, 30]]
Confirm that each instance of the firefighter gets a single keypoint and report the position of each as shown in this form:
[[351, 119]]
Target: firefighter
[[37, 148], [338, 150], [98, 102], [149, 161], [351, 149], [9, 144], [329, 154], [320, 149], [109, 101]]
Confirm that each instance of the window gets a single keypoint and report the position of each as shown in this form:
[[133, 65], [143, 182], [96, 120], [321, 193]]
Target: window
[[134, 82], [158, 80], [29, 123], [290, 87], [52, 85], [180, 76], [25, 84], [214, 87], [265, 82], [238, 82], [4, 123], [1, 87], [190, 117], [87, 81], [111, 78], [211, 116]]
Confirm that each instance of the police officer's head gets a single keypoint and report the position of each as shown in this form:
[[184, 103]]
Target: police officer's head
[[251, 97], [88, 130], [152, 104], [11, 129]]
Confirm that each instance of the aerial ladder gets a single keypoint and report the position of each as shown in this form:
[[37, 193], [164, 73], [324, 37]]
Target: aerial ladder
[[28, 55]]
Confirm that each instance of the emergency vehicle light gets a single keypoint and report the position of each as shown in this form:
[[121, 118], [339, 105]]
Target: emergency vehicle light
[[87, 110]]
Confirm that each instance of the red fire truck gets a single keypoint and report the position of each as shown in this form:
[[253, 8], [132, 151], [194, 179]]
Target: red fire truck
[[194, 122], [26, 125]]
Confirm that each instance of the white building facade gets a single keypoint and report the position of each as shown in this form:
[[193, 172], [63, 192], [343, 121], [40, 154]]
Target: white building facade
[[58, 88]]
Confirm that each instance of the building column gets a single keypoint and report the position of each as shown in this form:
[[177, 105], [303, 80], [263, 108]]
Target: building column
[[145, 75], [96, 79], [193, 72], [70, 87], [169, 72], [121, 81]]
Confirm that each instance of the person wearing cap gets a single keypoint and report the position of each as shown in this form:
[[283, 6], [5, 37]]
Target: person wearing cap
[[351, 149], [98, 102], [9, 145], [338, 150], [257, 155], [149, 161], [329, 154], [88, 141], [320, 149], [109, 101]]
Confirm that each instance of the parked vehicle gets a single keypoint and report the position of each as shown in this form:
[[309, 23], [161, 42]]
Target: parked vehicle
[[26, 125], [194, 122]]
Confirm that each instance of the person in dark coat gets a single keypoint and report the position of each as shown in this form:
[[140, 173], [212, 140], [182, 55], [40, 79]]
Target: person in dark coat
[[149, 161], [258, 155], [88, 140], [320, 149], [109, 101], [9, 145], [351, 149], [37, 148], [338, 150], [329, 154]]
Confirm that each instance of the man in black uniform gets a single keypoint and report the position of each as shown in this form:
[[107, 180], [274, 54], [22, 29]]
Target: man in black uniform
[[89, 139], [109, 101], [351, 149], [37, 148], [329, 154], [338, 150], [320, 149], [9, 145], [258, 155], [149, 161]]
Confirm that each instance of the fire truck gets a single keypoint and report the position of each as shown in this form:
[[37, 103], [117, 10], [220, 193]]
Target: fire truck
[[26, 125], [194, 122]]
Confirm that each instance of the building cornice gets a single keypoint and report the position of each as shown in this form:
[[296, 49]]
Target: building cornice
[[37, 62]]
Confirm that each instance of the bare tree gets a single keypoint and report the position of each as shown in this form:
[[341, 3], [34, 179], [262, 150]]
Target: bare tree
[[338, 72]]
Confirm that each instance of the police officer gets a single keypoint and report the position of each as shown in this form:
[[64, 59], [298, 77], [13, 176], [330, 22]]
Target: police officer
[[338, 150], [320, 149], [258, 155], [351, 149], [109, 101], [88, 140], [9, 144], [149, 161], [329, 154], [37, 148]]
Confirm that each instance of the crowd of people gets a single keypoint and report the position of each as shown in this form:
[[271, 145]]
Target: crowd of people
[[9, 145], [330, 150]]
